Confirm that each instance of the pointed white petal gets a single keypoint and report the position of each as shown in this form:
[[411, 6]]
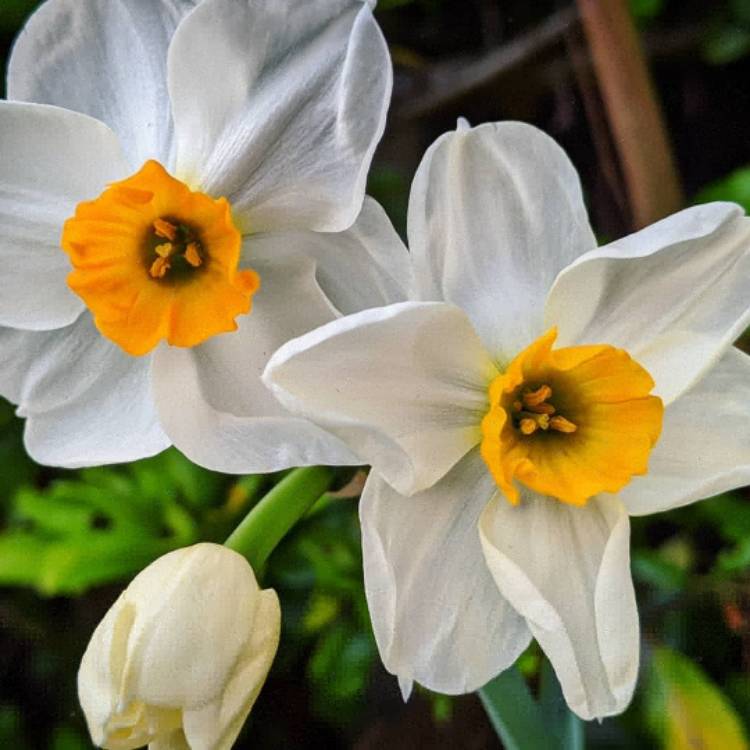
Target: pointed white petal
[[704, 448], [567, 571], [436, 611], [105, 59], [86, 401], [405, 386], [288, 135], [52, 160], [674, 295], [211, 400], [495, 213], [364, 266]]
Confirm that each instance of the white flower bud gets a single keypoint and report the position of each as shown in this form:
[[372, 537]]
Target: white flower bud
[[181, 656]]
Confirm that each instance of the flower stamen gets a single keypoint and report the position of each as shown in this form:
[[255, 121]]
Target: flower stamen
[[562, 425]]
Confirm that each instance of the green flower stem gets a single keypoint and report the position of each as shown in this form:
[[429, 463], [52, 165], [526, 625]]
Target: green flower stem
[[272, 518]]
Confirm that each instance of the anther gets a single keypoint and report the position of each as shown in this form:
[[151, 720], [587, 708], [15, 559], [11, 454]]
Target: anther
[[540, 421], [165, 229], [192, 256], [562, 425], [164, 250], [534, 398], [160, 267]]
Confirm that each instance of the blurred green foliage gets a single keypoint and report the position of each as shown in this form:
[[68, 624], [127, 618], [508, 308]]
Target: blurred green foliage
[[686, 710], [734, 187]]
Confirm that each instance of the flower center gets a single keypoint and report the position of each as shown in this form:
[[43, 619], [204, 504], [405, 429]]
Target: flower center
[[570, 423], [532, 411], [154, 260]]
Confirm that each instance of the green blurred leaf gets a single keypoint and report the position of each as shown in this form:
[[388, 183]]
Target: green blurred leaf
[[646, 10], [726, 44], [687, 711], [734, 187], [99, 528], [653, 568]]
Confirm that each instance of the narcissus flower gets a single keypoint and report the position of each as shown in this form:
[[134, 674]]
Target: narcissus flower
[[193, 213], [536, 392], [181, 656]]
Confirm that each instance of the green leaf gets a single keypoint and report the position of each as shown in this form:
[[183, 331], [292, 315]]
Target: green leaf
[[726, 44], [646, 10], [562, 724], [686, 711], [514, 714], [734, 187], [105, 526], [651, 567]]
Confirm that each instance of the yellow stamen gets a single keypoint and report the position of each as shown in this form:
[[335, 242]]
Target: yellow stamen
[[164, 250], [534, 398], [160, 267], [165, 229], [604, 426], [155, 261], [560, 424], [192, 256]]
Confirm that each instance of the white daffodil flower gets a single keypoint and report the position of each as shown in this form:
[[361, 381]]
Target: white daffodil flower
[[501, 488], [181, 656], [211, 154]]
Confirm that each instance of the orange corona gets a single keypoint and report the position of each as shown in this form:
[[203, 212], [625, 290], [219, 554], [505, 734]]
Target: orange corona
[[154, 260], [570, 423]]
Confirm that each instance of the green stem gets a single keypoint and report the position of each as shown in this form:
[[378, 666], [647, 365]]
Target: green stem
[[272, 518]]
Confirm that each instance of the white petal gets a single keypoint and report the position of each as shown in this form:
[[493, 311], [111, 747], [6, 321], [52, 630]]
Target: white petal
[[217, 724], [86, 401], [674, 295], [211, 400], [567, 571], [53, 159], [288, 135], [364, 266], [704, 448], [436, 612], [404, 386], [105, 59], [495, 213]]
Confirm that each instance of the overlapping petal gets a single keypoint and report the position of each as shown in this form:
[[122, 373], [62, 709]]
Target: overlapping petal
[[86, 401], [405, 386], [365, 266], [211, 400], [704, 448], [288, 136], [53, 159], [436, 611], [567, 571], [674, 295], [495, 213], [105, 59]]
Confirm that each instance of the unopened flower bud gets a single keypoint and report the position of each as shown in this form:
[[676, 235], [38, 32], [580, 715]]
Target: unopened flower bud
[[181, 656]]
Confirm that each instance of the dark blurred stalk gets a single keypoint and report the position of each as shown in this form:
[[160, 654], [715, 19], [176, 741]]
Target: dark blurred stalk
[[635, 118]]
